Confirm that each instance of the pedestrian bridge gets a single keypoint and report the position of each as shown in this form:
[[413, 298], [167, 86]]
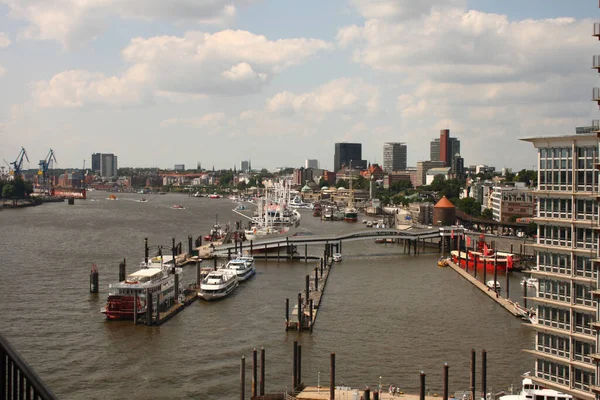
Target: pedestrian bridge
[[279, 241]]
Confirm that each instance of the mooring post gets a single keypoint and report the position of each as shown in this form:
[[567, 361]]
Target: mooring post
[[376, 395], [287, 313], [473, 360], [525, 294], [262, 371], [94, 279], [367, 393], [321, 268], [299, 369], [507, 281], [295, 367], [243, 379], [135, 298], [332, 377], [422, 389], [176, 300], [148, 308], [446, 381], [254, 373], [484, 373], [307, 289], [316, 279], [475, 260], [198, 273], [299, 312], [495, 270], [485, 271], [215, 263], [190, 245], [310, 308], [146, 251], [229, 254], [305, 252]]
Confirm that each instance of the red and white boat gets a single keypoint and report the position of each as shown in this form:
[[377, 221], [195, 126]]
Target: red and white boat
[[155, 278], [485, 256]]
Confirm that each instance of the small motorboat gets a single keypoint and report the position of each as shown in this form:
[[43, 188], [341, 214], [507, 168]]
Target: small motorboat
[[178, 207], [530, 282], [442, 262], [112, 197], [337, 257], [493, 285]]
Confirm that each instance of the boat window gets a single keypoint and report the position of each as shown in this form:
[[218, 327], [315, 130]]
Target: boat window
[[540, 397], [550, 398]]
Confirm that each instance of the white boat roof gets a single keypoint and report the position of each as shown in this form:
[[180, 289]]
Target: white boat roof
[[146, 272]]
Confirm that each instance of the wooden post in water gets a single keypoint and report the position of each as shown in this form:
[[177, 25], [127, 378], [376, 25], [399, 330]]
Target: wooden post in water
[[484, 373], [507, 280], [254, 373], [495, 270], [176, 299], [316, 279], [198, 276], [94, 279], [446, 367], [229, 254], [376, 395], [277, 251], [215, 263], [295, 367], [473, 360], [251, 247], [305, 252], [485, 270], [367, 394], [190, 245], [332, 377], [135, 298], [299, 312], [525, 294], [475, 259], [321, 268], [243, 379], [310, 305], [146, 250], [340, 248], [262, 371], [422, 388], [299, 368], [287, 313], [307, 289]]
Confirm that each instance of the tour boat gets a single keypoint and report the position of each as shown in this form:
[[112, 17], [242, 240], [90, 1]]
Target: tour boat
[[243, 269], [249, 260], [218, 284], [530, 282], [485, 256], [350, 214], [157, 279], [533, 391]]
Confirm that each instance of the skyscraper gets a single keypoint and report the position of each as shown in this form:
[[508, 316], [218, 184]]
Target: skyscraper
[[245, 166], [394, 156], [344, 153], [445, 148], [311, 164], [434, 150], [104, 165]]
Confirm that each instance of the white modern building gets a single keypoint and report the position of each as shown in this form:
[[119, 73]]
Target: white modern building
[[566, 341], [512, 201]]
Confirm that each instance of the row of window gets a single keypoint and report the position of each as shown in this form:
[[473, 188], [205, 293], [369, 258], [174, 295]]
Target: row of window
[[561, 346], [585, 238], [561, 319], [561, 264], [561, 291], [559, 373], [566, 152], [563, 208], [585, 180]]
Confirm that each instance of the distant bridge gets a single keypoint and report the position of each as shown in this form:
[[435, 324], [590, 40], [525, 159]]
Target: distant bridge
[[284, 241]]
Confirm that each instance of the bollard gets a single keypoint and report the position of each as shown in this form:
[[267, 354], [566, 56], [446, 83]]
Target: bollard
[[446, 381], [473, 359], [295, 367], [525, 295], [307, 289], [340, 249], [254, 373], [495, 270], [243, 379], [321, 268], [484, 372], [299, 368], [332, 377], [190, 246], [262, 371], [422, 389], [71, 201], [94, 279]]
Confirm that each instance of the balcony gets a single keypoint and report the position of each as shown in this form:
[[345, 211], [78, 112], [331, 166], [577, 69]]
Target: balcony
[[596, 30]]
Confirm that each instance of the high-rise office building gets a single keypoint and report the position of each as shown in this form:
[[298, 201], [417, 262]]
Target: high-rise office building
[[394, 156], [314, 164], [434, 150], [445, 148], [346, 152], [104, 165], [245, 166]]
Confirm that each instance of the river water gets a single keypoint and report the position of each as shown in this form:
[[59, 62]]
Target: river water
[[384, 313]]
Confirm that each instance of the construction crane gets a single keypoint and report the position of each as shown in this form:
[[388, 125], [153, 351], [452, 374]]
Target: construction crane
[[45, 164], [18, 163]]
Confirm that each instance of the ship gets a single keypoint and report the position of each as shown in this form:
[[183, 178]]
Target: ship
[[76, 193], [485, 256], [350, 213], [156, 278]]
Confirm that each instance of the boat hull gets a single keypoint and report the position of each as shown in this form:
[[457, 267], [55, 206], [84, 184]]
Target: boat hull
[[468, 260], [212, 295]]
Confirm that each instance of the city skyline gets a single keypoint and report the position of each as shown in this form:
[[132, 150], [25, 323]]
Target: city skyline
[[257, 78]]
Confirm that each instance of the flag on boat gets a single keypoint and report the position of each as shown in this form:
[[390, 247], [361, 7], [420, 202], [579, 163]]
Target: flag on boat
[[452, 234], [509, 262], [485, 249], [468, 241]]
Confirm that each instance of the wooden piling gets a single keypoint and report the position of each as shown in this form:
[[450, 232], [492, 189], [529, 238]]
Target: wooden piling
[[316, 279], [495, 270], [277, 251], [251, 247], [229, 254], [198, 275], [262, 371], [190, 245], [484, 373], [215, 263], [507, 282], [307, 289], [243, 379], [176, 299], [287, 313], [295, 367], [146, 251], [332, 377], [367, 393], [94, 279], [473, 361], [305, 252], [422, 388], [299, 368], [376, 395], [446, 367], [525, 294], [254, 373], [310, 310], [135, 298], [299, 312]]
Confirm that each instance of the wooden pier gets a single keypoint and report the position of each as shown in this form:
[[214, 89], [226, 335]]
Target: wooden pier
[[507, 304]]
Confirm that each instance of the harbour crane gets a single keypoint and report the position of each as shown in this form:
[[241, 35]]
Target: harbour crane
[[45, 164], [18, 163]]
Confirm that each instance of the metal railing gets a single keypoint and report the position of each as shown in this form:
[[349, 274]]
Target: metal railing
[[17, 379]]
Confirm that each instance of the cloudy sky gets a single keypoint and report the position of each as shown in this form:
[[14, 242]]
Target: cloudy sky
[[217, 81]]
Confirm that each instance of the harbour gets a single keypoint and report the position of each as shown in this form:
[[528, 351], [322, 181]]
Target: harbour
[[373, 281]]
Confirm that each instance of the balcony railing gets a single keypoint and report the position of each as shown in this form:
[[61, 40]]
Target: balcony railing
[[17, 379], [596, 29], [596, 62], [596, 94]]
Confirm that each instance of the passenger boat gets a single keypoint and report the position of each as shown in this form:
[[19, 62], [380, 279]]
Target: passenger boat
[[485, 256], [178, 207], [243, 269], [531, 391], [530, 282], [350, 214], [155, 278], [249, 260], [337, 257], [218, 284]]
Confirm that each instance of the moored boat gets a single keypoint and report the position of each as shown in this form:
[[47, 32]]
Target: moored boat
[[530, 391], [350, 214], [530, 282], [178, 207], [218, 284], [243, 269], [493, 285]]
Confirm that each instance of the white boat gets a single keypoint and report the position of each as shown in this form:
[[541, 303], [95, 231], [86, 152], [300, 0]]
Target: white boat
[[249, 260], [532, 391], [530, 282], [243, 269], [337, 257], [218, 284], [369, 224], [494, 285]]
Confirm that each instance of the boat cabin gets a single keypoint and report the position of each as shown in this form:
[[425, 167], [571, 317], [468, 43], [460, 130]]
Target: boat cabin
[[144, 276]]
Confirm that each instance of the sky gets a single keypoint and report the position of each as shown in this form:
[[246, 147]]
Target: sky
[[215, 82]]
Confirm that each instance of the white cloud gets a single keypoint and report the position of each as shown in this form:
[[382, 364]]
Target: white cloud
[[213, 120], [4, 40], [224, 63], [343, 95], [401, 9], [2, 71], [74, 22]]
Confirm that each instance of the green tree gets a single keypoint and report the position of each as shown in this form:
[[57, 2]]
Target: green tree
[[226, 178], [8, 191], [341, 183], [323, 182], [361, 183], [487, 214], [400, 186], [469, 206]]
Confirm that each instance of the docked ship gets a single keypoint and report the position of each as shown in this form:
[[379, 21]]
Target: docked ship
[[350, 213], [155, 278], [485, 256], [218, 284], [243, 267], [76, 193]]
